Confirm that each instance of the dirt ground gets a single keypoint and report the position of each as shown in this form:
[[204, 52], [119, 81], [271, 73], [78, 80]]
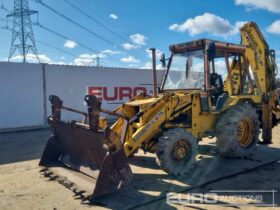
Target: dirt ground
[[22, 187]]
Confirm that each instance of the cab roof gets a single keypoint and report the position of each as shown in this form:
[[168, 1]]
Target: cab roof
[[220, 47]]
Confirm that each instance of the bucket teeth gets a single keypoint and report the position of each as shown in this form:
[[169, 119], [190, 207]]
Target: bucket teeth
[[80, 194], [61, 180], [85, 198], [52, 178], [76, 159], [43, 170], [68, 184], [48, 173]]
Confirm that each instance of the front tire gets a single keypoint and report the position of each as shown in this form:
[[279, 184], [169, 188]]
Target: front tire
[[176, 151], [237, 131]]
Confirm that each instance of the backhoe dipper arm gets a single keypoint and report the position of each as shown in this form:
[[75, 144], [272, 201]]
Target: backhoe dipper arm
[[260, 59]]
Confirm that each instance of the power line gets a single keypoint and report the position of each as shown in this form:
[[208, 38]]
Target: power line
[[74, 22], [100, 24], [7, 23], [44, 43], [64, 37], [86, 5], [3, 7], [81, 26], [56, 48], [79, 43], [96, 21]]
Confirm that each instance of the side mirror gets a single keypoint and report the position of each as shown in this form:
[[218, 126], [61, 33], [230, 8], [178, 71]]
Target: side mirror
[[211, 50], [162, 60]]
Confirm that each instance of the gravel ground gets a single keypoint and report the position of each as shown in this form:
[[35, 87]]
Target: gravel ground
[[22, 187]]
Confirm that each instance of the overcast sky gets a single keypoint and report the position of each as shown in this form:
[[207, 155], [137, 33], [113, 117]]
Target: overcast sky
[[121, 31]]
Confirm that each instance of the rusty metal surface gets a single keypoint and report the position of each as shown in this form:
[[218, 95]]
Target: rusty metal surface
[[77, 149], [94, 109], [94, 106], [80, 143], [76, 154], [115, 174]]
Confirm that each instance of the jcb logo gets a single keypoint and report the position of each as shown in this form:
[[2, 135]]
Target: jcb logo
[[116, 93]]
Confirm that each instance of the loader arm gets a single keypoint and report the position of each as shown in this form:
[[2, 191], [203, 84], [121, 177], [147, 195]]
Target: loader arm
[[146, 124]]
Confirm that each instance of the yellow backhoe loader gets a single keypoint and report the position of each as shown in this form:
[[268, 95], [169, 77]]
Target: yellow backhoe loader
[[209, 89]]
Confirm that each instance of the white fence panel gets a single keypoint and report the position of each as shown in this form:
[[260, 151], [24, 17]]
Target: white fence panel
[[113, 85], [25, 88], [21, 95]]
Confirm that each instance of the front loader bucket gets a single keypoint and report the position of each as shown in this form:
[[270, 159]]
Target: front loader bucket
[[75, 156]]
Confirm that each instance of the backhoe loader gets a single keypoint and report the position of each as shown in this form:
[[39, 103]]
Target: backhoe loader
[[209, 89]]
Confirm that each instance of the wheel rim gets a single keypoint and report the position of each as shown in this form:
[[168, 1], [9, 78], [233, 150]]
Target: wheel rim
[[245, 132], [181, 151]]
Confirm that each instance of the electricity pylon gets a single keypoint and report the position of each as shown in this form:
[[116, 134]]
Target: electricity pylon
[[22, 37]]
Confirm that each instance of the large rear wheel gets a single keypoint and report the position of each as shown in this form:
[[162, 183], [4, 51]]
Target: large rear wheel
[[237, 131], [176, 151]]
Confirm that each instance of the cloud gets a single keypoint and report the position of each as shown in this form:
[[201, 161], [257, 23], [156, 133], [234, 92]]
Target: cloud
[[70, 44], [129, 46], [132, 65], [274, 28], [130, 59], [174, 27], [270, 5], [158, 53], [92, 56], [113, 16], [83, 62], [237, 26], [58, 63], [149, 65], [138, 39], [207, 23], [31, 58], [111, 52], [87, 59]]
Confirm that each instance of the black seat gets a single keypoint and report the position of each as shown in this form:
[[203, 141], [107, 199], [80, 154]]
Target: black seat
[[216, 82]]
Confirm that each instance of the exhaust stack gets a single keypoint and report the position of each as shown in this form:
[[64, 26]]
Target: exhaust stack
[[154, 71]]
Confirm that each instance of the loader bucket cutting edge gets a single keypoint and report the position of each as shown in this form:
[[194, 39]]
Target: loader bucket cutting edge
[[76, 155]]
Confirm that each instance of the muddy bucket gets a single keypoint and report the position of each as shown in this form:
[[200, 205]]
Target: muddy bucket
[[75, 156]]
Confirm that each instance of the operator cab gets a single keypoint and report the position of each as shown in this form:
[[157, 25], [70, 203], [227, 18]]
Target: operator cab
[[209, 67]]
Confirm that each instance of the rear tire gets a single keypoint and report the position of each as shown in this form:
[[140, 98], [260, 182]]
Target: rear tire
[[176, 151], [237, 131]]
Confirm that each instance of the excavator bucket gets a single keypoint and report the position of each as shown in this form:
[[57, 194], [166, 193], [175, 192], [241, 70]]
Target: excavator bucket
[[75, 154]]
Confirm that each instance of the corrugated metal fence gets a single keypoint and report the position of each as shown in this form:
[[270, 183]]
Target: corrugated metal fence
[[25, 88]]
